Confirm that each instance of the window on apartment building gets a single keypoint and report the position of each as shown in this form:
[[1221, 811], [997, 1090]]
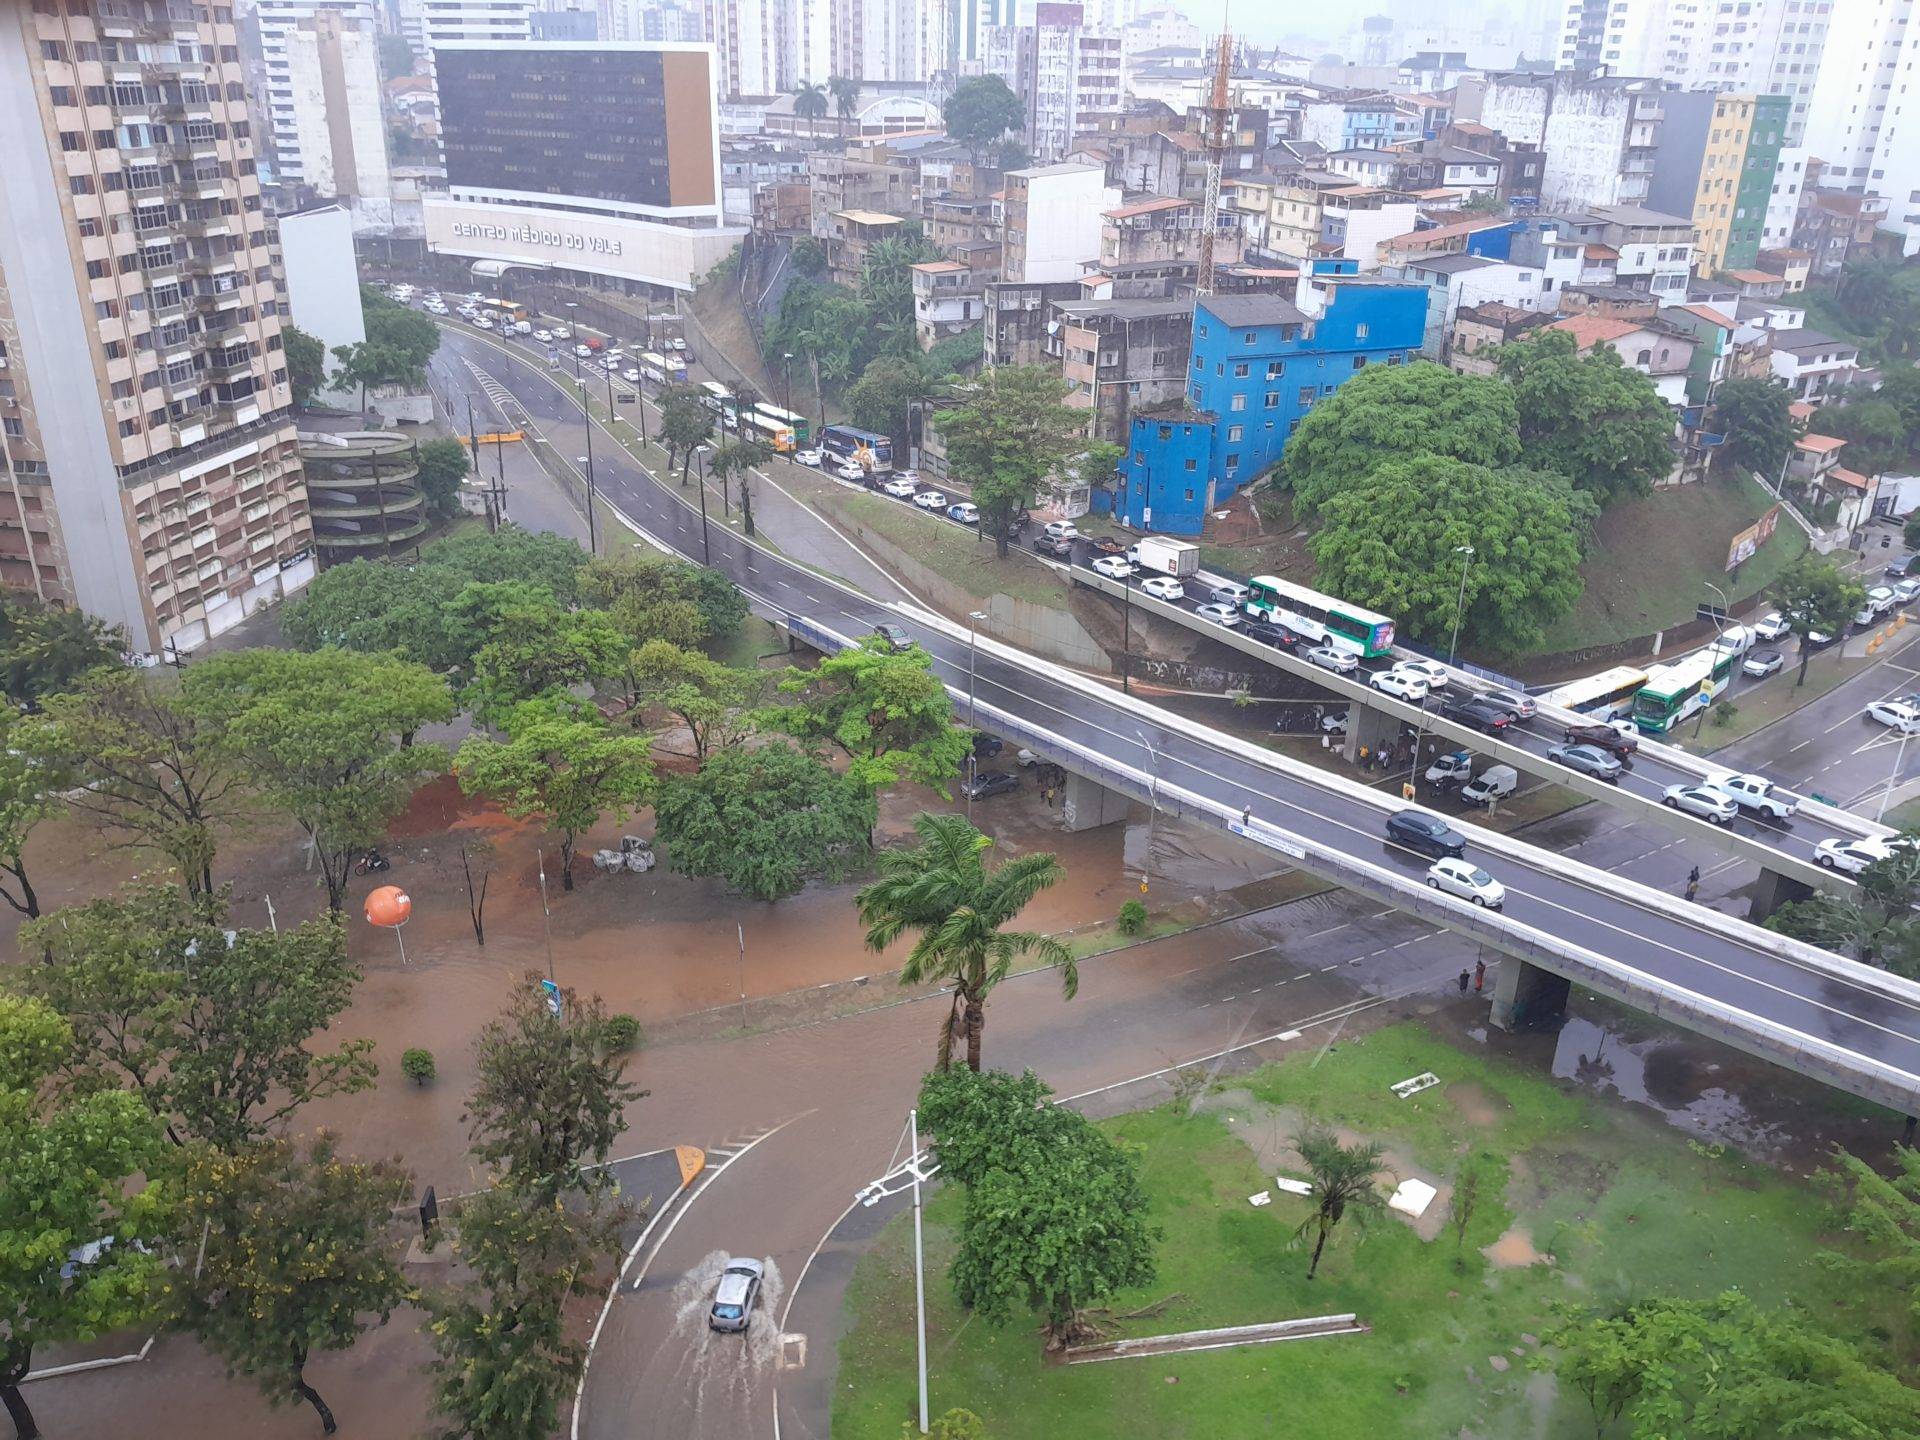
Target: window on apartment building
[[1241, 371], [72, 140], [1236, 432], [129, 428], [1190, 464], [1239, 402], [1276, 368], [52, 50], [1272, 400], [1359, 362], [1233, 462], [1307, 394]]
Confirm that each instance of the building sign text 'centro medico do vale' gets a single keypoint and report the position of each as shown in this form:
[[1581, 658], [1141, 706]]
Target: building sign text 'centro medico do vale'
[[532, 235]]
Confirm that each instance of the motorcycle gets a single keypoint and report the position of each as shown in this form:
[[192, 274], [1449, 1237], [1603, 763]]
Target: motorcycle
[[371, 863]]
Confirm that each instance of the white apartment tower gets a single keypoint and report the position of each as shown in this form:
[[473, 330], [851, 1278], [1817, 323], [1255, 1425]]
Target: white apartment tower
[[148, 472], [1062, 70], [322, 100], [1858, 123], [753, 38], [427, 23]]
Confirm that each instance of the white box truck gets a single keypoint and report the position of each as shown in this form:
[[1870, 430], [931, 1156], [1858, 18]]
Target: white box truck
[[1165, 557]]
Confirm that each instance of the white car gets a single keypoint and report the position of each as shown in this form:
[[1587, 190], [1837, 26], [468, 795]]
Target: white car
[[1701, 800], [543, 335], [1881, 598], [1907, 591], [1061, 530], [1163, 587], [1114, 567], [481, 322], [808, 457], [679, 344], [850, 471], [1895, 715], [1224, 616], [1852, 856], [1762, 663], [1328, 658], [1468, 881], [930, 500], [1401, 684], [1773, 627], [632, 377], [909, 474], [563, 332], [899, 487], [585, 352], [1433, 672]]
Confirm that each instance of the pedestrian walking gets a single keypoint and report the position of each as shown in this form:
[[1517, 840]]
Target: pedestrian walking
[[1693, 876], [1693, 889], [1464, 978], [1479, 975]]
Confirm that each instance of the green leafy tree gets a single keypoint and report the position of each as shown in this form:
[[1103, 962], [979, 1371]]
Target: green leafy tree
[[211, 1033], [956, 1424], [982, 109], [443, 465], [44, 650], [1391, 540], [1876, 435], [78, 1170], [1756, 417], [326, 737], [1588, 417], [306, 362], [1724, 1369], [738, 459], [1344, 1187], [808, 258], [541, 651], [1012, 431], [1815, 598], [504, 1356], [1880, 301], [958, 911], [881, 398], [1874, 922], [296, 1251], [885, 710], [651, 597], [142, 765], [886, 289], [1400, 412], [1900, 388], [566, 770], [551, 1094], [1055, 1219], [1880, 1214], [715, 702], [392, 325], [685, 421], [27, 796], [766, 819]]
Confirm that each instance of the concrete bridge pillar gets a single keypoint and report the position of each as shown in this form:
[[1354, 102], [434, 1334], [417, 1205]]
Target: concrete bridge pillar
[[1772, 890], [1371, 728], [1089, 804], [1525, 994]]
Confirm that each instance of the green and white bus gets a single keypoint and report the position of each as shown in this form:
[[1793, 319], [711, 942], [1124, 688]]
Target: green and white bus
[[1686, 687], [801, 427], [1319, 618]]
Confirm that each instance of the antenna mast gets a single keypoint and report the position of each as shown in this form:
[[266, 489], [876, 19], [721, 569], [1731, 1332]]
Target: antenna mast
[[1218, 116]]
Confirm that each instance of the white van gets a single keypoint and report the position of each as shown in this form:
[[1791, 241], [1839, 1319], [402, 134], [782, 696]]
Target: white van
[[1496, 782], [1735, 640]]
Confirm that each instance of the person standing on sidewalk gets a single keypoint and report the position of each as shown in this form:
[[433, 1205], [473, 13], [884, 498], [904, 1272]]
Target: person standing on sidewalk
[[1479, 975]]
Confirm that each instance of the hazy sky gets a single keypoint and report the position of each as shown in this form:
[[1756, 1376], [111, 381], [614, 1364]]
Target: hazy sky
[[1320, 26]]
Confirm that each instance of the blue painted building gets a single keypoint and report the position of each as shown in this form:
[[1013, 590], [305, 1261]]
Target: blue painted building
[[1259, 364]]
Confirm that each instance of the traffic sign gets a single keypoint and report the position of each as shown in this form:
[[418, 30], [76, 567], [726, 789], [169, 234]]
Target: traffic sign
[[553, 996]]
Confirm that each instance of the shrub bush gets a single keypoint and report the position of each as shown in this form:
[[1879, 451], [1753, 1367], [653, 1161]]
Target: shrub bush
[[1133, 918], [622, 1032], [417, 1065]]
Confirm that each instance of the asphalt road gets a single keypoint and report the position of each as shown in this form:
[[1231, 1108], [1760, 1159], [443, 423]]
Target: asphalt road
[[1192, 995]]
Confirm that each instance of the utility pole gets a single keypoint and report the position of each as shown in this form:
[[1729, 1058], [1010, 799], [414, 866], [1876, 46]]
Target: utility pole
[[1218, 118]]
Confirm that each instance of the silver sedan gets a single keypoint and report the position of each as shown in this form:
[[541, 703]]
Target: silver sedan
[[1700, 801]]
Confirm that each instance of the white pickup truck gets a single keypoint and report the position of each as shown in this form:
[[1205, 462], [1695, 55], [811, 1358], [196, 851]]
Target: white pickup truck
[[1757, 794]]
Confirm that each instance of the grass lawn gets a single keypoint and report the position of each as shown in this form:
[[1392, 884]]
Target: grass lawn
[[1768, 702], [1654, 555], [1617, 1205], [947, 550]]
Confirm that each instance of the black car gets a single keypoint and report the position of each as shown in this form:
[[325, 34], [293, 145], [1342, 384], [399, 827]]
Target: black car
[[989, 782], [1268, 633], [1899, 569], [1478, 714], [1428, 834], [896, 638], [986, 746], [1603, 737]]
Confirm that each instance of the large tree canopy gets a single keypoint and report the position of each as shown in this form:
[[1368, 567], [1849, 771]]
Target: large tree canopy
[[1588, 417], [1399, 411], [1011, 431], [1392, 542], [981, 110], [1757, 418]]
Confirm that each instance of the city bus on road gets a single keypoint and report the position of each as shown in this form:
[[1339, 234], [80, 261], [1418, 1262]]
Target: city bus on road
[[716, 396], [663, 369], [1606, 696], [509, 312], [1322, 619], [759, 427], [1686, 687], [863, 447], [801, 427]]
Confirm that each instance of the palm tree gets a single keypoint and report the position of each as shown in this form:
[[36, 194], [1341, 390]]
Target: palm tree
[[943, 889], [810, 101], [846, 95], [1343, 1184]]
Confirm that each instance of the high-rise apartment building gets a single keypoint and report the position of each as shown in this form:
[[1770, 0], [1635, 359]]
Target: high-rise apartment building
[[321, 99], [345, 22], [428, 23], [1715, 164], [1858, 121], [754, 41], [1061, 68], [147, 465], [1761, 47]]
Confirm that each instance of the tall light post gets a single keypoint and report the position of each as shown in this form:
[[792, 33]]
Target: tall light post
[[786, 381], [1465, 552], [1719, 634], [974, 619], [1899, 761], [915, 1170], [706, 545], [1153, 805], [593, 534]]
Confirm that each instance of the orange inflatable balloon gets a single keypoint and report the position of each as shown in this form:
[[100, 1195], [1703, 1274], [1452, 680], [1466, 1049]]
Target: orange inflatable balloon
[[389, 906]]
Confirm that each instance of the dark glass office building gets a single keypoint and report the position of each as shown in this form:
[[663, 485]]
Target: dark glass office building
[[631, 126]]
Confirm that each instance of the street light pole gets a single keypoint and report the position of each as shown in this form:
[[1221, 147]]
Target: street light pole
[[1899, 760], [1465, 552], [1719, 634], [974, 618], [915, 1170], [706, 545], [593, 534], [1153, 805], [786, 382]]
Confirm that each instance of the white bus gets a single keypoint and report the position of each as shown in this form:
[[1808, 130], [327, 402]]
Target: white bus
[[718, 398], [1606, 696], [779, 436], [1323, 619]]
